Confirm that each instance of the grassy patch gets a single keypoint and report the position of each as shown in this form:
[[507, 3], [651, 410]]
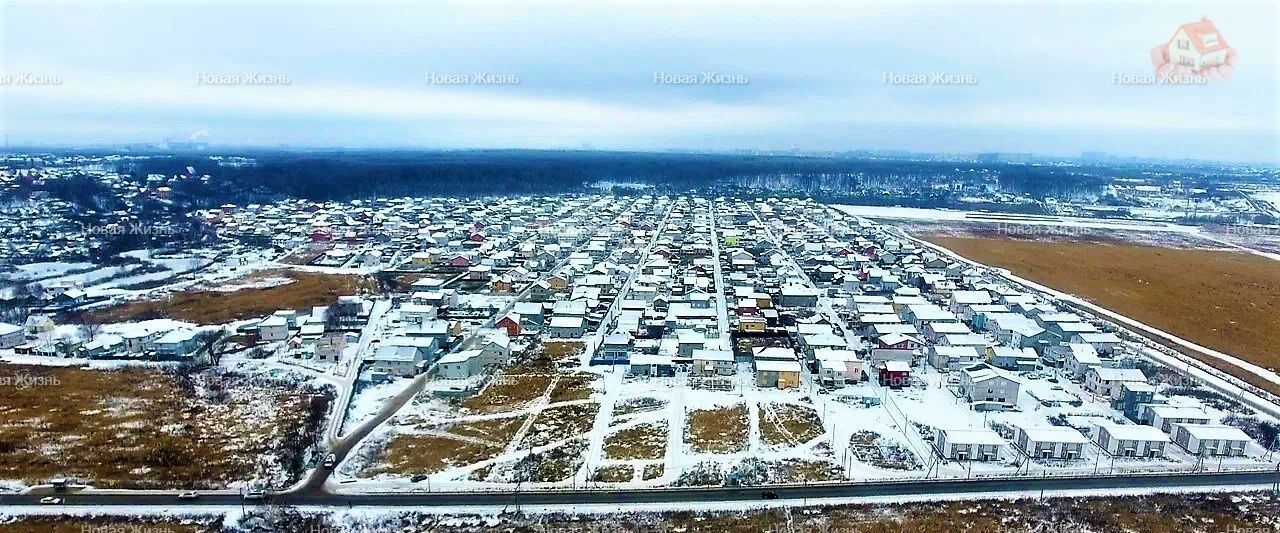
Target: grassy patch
[[216, 307], [560, 423], [654, 471], [788, 425], [573, 387], [562, 350], [614, 474], [722, 430], [632, 406], [510, 389], [645, 441], [139, 428]]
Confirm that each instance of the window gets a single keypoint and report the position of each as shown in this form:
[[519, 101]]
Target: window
[[1184, 44]]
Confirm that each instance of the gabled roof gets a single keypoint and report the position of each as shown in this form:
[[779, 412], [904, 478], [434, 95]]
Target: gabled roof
[[1196, 32]]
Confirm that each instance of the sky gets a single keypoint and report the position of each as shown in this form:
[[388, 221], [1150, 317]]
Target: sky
[[1014, 76]]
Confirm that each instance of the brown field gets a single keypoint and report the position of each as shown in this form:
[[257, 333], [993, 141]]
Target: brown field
[[1228, 301], [573, 387], [214, 307], [143, 428], [562, 350], [653, 471], [512, 388], [454, 445], [722, 430], [645, 441], [560, 423], [68, 524], [788, 425], [614, 474]]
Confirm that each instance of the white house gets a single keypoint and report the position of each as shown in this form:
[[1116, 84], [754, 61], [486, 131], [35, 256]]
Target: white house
[[713, 362], [1198, 46], [1106, 381], [459, 365], [11, 335], [985, 383], [948, 358], [969, 444], [1051, 442], [1211, 439], [273, 329], [176, 343], [1130, 440], [567, 327], [1164, 416]]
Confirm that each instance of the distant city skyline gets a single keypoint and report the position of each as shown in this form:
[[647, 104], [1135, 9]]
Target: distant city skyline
[[1058, 79]]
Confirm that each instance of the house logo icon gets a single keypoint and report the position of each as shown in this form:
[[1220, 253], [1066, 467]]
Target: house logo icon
[[1197, 52]]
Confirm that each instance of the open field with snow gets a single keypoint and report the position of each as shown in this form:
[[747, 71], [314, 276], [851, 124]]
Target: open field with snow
[[214, 306], [140, 428], [1228, 301]]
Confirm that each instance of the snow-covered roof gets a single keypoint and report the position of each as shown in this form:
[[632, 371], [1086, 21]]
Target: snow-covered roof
[[1133, 432], [1214, 432], [774, 365], [980, 436], [1065, 434]]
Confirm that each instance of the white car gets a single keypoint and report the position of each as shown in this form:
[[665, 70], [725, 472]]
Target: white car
[[189, 495], [50, 500]]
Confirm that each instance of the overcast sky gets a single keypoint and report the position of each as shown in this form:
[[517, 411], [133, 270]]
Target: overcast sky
[[808, 75]]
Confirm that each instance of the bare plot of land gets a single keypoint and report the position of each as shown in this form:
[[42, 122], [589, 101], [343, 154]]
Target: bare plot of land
[[644, 441], [560, 423], [869, 447], [1228, 301], [71, 524], [788, 425], [147, 429], [633, 406], [454, 445], [722, 430], [562, 350], [573, 387], [615, 474], [218, 307], [510, 389]]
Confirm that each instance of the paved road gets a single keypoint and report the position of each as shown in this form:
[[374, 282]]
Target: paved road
[[995, 486]]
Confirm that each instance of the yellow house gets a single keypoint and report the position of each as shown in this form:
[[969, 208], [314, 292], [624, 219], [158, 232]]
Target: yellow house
[[778, 373], [558, 283], [752, 324]]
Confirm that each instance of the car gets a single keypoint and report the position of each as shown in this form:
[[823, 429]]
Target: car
[[768, 495], [189, 495], [50, 500], [255, 494], [330, 461]]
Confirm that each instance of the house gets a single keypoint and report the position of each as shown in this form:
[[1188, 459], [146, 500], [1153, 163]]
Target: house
[[1104, 343], [495, 349], [1211, 439], [1106, 381], [969, 444], [615, 350], [985, 383], [1079, 358], [393, 359], [1050, 442], [778, 374], [1198, 46], [1164, 416], [894, 374], [273, 329], [652, 365], [439, 330], [1010, 358], [839, 367], [509, 323], [713, 362], [459, 365], [567, 327], [752, 324], [37, 325], [178, 343], [1130, 440], [139, 340], [11, 335], [798, 296], [895, 347], [949, 358]]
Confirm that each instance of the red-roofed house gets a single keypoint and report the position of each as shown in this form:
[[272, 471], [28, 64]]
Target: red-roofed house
[[1198, 46]]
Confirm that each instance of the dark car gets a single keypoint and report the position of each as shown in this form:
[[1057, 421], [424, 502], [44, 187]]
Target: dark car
[[768, 495]]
